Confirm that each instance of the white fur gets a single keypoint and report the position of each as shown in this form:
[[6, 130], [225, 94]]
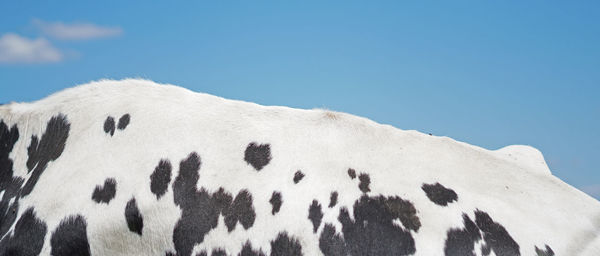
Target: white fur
[[512, 184]]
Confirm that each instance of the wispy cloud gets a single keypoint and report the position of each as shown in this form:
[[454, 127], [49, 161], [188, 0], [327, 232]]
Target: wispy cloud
[[592, 190], [75, 31], [18, 49]]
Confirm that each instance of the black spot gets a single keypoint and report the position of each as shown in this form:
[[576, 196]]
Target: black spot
[[200, 209], [257, 155], [365, 181], [198, 212], [160, 178], [29, 232], [495, 235], [547, 252], [134, 219], [27, 238], [9, 214], [218, 252], [331, 243], [105, 193], [462, 241], [352, 173], [439, 194], [39, 154], [185, 184], [49, 148], [298, 176], [373, 231], [284, 245], [495, 238], [315, 215], [222, 200], [109, 126], [9, 184], [202, 253], [333, 199], [70, 237], [248, 251], [169, 253], [241, 209], [123, 122], [8, 138], [485, 249], [405, 211], [275, 202]]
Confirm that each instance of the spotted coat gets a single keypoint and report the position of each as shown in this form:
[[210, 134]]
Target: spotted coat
[[135, 168]]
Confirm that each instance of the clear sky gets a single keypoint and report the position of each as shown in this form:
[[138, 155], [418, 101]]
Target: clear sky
[[490, 74]]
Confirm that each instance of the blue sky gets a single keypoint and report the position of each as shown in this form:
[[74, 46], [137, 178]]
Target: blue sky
[[490, 74]]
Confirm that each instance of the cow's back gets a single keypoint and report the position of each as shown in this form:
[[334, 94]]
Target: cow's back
[[135, 168]]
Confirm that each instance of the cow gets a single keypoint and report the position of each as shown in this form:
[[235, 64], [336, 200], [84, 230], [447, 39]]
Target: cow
[[132, 167]]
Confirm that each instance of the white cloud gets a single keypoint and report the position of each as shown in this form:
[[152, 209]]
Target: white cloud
[[76, 31], [18, 49]]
